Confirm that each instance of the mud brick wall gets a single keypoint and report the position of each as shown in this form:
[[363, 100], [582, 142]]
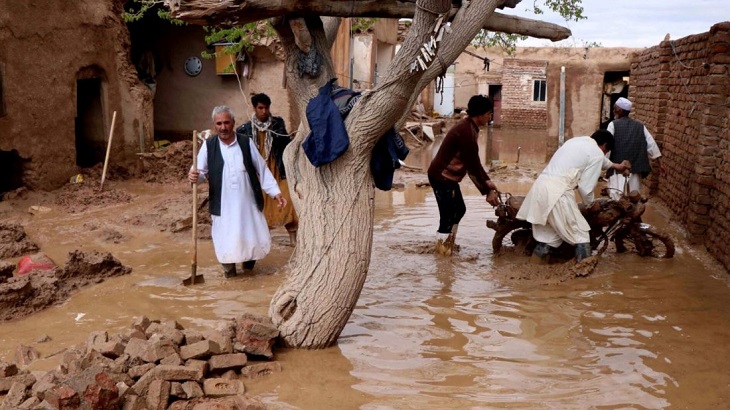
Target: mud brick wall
[[518, 109], [681, 91]]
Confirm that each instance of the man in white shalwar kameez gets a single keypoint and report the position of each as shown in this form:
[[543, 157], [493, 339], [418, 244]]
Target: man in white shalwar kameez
[[240, 232], [550, 205]]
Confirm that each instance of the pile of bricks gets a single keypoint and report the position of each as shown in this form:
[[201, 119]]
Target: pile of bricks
[[154, 365]]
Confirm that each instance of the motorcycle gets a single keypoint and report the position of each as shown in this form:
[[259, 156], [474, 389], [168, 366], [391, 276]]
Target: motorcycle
[[610, 220]]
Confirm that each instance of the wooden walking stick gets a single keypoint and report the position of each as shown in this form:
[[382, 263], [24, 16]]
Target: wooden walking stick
[[108, 150], [194, 278]]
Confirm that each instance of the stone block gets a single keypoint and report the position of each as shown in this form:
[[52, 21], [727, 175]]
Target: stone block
[[158, 395], [44, 383], [176, 390], [16, 396], [199, 350], [257, 370], [192, 336], [111, 349], [141, 323], [136, 347], [25, 355], [223, 340], [8, 369], [7, 382], [31, 403], [172, 324], [63, 397], [177, 373], [222, 387], [200, 366], [227, 361], [158, 350], [134, 402], [96, 338], [256, 335], [172, 360], [192, 390], [136, 372], [103, 394], [166, 332]]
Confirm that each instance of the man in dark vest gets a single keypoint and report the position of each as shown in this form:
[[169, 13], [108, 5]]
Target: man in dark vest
[[236, 175], [634, 143]]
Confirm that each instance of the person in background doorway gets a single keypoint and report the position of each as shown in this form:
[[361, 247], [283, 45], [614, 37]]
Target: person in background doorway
[[633, 143], [457, 156], [550, 205], [236, 175], [271, 138]]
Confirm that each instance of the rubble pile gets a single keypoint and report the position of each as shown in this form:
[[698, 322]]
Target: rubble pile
[[14, 242], [153, 365], [170, 164], [79, 197], [23, 294]]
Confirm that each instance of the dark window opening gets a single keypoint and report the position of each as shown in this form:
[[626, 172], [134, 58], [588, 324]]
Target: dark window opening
[[2, 92], [539, 88], [90, 141], [11, 168]]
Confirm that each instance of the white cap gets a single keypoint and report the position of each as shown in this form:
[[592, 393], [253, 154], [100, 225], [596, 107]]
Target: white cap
[[624, 104]]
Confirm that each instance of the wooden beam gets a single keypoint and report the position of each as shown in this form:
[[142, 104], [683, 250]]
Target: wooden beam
[[238, 12]]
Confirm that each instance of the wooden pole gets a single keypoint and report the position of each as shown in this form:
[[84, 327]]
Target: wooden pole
[[194, 264], [108, 150]]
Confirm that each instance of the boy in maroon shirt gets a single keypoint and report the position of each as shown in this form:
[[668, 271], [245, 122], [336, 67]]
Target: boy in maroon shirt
[[457, 156]]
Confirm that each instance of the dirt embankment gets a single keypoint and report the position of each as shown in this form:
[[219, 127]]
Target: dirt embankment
[[24, 294]]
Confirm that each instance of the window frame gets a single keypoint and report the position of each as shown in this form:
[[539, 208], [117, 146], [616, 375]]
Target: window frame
[[539, 90]]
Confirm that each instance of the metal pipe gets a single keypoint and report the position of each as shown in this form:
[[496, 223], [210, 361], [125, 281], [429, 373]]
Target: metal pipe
[[561, 127], [518, 154]]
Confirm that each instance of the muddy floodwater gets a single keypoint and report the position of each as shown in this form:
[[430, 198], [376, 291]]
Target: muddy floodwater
[[428, 332]]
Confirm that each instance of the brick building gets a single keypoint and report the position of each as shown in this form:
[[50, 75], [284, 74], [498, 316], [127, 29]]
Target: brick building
[[681, 91], [525, 83]]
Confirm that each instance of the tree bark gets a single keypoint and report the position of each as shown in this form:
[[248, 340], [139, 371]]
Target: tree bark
[[238, 12], [335, 201]]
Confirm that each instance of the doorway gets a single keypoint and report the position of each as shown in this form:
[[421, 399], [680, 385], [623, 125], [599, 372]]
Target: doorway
[[615, 86], [11, 167], [495, 91], [90, 147]]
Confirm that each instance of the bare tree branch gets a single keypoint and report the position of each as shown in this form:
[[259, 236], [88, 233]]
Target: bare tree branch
[[237, 12]]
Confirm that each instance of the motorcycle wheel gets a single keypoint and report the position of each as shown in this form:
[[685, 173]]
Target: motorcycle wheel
[[648, 241], [513, 235]]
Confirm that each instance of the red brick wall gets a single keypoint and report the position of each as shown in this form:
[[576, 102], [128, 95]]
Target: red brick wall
[[518, 109], [681, 91]]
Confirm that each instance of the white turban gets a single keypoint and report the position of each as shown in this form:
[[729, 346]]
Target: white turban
[[624, 104]]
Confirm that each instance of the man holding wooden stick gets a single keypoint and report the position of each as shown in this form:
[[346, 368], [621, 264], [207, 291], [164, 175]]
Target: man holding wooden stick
[[236, 175]]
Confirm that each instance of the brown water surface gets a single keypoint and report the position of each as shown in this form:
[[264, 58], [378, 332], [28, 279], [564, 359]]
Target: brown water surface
[[428, 332]]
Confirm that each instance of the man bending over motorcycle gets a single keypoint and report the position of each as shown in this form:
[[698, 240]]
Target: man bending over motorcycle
[[550, 205]]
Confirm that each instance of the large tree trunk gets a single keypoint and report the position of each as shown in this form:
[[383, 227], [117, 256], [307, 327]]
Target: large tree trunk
[[335, 201]]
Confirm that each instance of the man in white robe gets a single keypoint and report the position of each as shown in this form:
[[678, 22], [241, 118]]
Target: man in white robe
[[550, 205], [240, 232]]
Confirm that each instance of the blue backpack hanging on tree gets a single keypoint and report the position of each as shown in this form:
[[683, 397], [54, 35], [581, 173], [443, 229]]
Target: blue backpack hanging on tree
[[328, 138]]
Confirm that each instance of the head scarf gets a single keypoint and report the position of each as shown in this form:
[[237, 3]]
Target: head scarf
[[264, 127]]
